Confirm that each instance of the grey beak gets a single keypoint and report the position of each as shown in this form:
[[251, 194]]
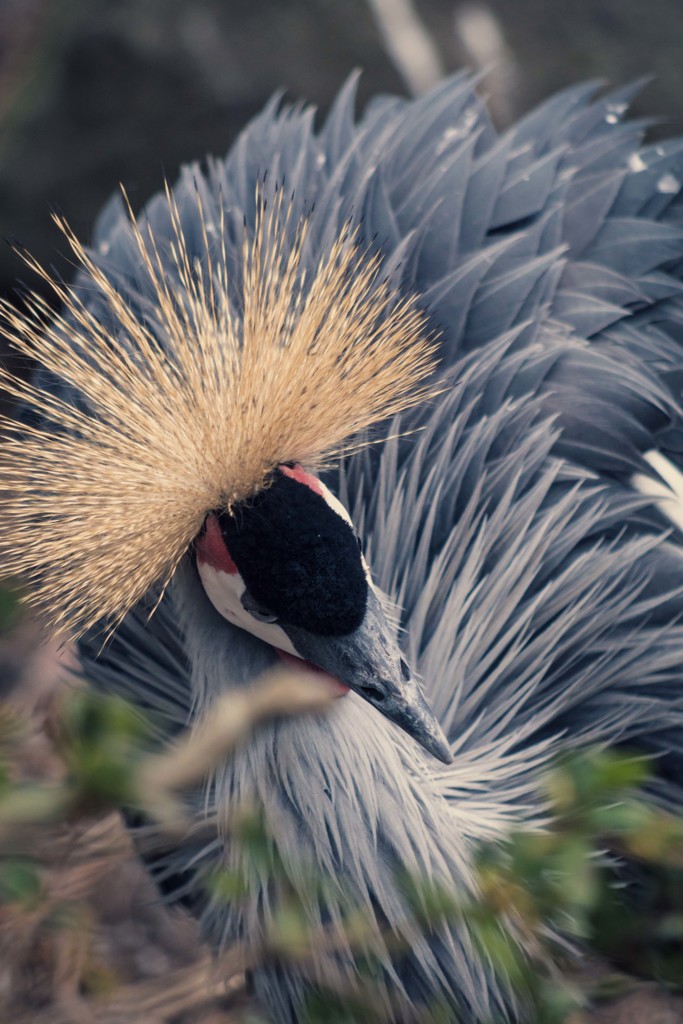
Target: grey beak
[[370, 664]]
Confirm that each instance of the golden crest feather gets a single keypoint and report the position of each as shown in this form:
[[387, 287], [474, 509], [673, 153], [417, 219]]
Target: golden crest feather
[[192, 409]]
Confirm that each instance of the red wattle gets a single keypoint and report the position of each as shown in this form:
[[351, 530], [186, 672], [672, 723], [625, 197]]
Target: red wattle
[[211, 549]]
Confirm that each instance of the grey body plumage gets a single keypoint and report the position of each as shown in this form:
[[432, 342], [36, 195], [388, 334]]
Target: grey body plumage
[[539, 591]]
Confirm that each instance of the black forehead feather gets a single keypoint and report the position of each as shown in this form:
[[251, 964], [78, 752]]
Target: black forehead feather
[[298, 558]]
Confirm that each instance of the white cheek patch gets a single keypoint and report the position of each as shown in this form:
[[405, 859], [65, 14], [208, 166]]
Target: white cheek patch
[[224, 591]]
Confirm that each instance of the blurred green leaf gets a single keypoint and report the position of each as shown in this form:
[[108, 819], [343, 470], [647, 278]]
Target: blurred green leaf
[[628, 817], [103, 740], [31, 803], [502, 951], [429, 902], [20, 882], [327, 1008], [229, 886], [11, 609], [290, 933], [556, 999]]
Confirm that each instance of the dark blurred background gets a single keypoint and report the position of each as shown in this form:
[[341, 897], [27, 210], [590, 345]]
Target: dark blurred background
[[97, 92]]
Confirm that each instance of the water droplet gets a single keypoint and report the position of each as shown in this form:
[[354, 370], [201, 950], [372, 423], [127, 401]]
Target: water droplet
[[320, 160], [460, 130], [669, 184], [611, 118], [636, 163], [104, 247]]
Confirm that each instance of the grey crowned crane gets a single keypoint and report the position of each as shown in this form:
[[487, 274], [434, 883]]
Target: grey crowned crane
[[466, 348]]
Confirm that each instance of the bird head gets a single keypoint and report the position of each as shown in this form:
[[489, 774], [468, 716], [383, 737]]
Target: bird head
[[185, 399], [288, 567]]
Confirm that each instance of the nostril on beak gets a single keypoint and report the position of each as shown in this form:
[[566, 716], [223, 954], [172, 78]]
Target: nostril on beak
[[405, 671], [372, 693]]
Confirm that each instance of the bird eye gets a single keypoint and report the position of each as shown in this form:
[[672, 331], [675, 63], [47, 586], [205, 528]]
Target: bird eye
[[359, 542], [262, 615], [256, 610]]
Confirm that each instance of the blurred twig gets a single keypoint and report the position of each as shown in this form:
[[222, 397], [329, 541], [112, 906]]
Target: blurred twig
[[408, 43], [186, 989], [230, 721]]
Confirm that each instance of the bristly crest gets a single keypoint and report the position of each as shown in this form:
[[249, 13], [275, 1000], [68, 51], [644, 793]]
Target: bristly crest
[[191, 408]]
